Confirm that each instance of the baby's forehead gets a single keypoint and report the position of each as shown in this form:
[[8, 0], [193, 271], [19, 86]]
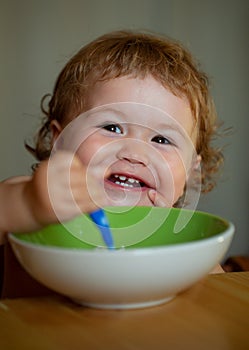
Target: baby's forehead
[[146, 91]]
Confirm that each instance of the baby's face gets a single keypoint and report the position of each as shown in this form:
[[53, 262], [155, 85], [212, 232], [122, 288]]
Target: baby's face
[[140, 136]]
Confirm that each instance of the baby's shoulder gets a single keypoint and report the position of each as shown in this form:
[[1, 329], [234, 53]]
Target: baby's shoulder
[[16, 179]]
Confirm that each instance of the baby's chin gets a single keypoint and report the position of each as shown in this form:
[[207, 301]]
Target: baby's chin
[[128, 198]]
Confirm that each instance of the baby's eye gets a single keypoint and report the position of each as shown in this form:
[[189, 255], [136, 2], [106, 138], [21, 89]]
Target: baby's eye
[[161, 140], [113, 128]]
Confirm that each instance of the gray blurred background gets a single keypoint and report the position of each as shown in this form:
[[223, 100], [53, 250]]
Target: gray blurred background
[[38, 37]]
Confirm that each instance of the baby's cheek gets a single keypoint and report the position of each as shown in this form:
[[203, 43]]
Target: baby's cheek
[[179, 177], [173, 179]]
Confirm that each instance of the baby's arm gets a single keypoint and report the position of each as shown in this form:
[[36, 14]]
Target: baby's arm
[[13, 211], [25, 202], [7, 189]]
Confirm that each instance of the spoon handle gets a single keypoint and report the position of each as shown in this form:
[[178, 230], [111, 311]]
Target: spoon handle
[[100, 219]]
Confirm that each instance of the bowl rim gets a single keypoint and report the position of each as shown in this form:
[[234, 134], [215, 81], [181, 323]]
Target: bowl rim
[[102, 251]]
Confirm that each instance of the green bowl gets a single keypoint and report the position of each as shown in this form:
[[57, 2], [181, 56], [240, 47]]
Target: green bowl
[[160, 253]]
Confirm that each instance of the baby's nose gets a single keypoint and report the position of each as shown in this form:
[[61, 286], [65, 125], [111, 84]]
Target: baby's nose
[[135, 152]]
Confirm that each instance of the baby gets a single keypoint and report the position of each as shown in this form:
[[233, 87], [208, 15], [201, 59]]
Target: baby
[[130, 122]]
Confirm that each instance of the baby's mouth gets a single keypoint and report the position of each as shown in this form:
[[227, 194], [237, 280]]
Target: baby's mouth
[[127, 182]]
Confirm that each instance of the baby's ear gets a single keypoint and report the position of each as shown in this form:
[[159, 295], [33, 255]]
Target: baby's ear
[[56, 129], [194, 172]]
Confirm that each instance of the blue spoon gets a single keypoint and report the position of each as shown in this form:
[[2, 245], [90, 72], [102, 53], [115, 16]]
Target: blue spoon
[[100, 219]]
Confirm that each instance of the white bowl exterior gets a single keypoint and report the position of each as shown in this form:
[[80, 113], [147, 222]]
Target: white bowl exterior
[[122, 278]]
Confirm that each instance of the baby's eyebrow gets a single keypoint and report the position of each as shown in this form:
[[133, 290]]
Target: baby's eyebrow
[[166, 127], [98, 111]]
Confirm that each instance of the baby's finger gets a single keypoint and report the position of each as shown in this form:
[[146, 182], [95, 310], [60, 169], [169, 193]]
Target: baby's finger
[[157, 199]]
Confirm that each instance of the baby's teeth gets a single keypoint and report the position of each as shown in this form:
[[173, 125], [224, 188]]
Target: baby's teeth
[[122, 184], [121, 180]]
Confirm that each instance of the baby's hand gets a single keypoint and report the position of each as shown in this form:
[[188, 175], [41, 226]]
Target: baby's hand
[[58, 190], [157, 199]]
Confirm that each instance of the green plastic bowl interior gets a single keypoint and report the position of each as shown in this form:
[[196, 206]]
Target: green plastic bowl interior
[[132, 227]]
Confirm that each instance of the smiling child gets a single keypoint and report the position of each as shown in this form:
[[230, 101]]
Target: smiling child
[[141, 112]]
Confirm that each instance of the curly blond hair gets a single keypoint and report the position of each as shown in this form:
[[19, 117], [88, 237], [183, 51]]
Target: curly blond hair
[[136, 54]]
